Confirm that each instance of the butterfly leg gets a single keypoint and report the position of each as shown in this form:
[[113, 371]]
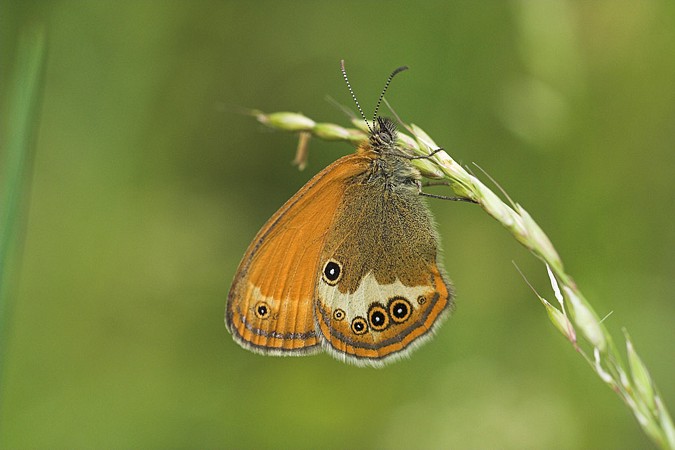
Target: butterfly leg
[[435, 183], [441, 197], [440, 149]]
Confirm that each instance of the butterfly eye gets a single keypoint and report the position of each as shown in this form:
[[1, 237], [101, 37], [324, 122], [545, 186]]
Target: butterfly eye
[[332, 272], [359, 325], [378, 317], [400, 309], [262, 310]]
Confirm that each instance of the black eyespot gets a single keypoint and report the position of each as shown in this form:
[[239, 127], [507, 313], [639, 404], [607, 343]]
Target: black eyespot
[[399, 309], [332, 272], [359, 325], [378, 317], [338, 315], [421, 300], [262, 310]]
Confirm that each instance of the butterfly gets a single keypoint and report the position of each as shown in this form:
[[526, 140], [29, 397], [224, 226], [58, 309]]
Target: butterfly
[[349, 265]]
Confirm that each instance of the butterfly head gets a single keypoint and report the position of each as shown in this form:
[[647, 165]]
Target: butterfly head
[[384, 135]]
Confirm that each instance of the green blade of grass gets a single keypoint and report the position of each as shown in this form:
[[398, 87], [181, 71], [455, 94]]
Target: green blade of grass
[[21, 118]]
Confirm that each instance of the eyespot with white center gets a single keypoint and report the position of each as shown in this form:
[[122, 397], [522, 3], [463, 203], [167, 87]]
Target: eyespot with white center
[[400, 309], [332, 272], [359, 326], [262, 310], [378, 317], [338, 315]]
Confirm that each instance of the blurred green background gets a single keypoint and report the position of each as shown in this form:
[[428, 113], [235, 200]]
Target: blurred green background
[[148, 186]]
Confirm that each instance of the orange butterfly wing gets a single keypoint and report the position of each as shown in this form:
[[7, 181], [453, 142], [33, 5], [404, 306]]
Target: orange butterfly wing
[[270, 304]]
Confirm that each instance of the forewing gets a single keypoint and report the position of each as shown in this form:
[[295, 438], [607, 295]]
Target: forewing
[[269, 307]]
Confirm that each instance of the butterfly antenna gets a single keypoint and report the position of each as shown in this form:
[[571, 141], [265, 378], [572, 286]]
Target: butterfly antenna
[[351, 91], [386, 86]]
